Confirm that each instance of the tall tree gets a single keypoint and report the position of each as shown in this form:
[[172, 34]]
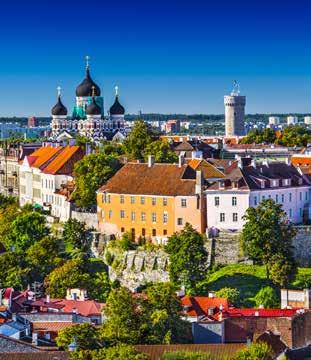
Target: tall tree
[[90, 173], [162, 152], [267, 234], [139, 137], [75, 234], [188, 258]]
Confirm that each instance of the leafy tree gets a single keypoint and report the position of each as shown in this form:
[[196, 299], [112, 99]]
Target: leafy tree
[[259, 136], [123, 313], [267, 232], [136, 142], [294, 136], [12, 273], [86, 336], [267, 297], [256, 351], [232, 294], [100, 287], [6, 201], [75, 235], [186, 355], [7, 216], [283, 269], [43, 257], [26, 229], [112, 148], [118, 352], [188, 258], [90, 173], [162, 152], [71, 274]]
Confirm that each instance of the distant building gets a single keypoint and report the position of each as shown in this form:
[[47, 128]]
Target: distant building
[[295, 298], [307, 120], [234, 113], [172, 126], [274, 120], [32, 122], [292, 120]]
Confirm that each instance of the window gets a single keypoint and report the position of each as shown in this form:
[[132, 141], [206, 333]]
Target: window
[[300, 212], [290, 213], [154, 201], [216, 199], [165, 218], [255, 200], [110, 214], [300, 196], [122, 229], [306, 196], [235, 217], [263, 197], [142, 200], [122, 214], [143, 216], [277, 198], [269, 196], [290, 197], [154, 217], [132, 199], [165, 201], [222, 217], [183, 202], [179, 221], [108, 198], [234, 201], [133, 216], [143, 232], [154, 232], [282, 196], [121, 199], [164, 232]]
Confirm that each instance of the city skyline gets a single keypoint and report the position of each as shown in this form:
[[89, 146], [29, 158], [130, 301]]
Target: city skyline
[[171, 57]]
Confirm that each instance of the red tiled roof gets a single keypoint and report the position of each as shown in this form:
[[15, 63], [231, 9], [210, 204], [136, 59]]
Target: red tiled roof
[[233, 312], [209, 170], [44, 154], [51, 326], [159, 179], [86, 307], [61, 159], [199, 305], [301, 160]]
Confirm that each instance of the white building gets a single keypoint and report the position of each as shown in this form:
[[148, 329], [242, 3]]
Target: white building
[[307, 120], [292, 120], [46, 178], [274, 120], [247, 184]]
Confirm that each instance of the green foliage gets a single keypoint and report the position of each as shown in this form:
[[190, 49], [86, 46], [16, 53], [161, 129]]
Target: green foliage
[[90, 173], [162, 152], [267, 297], [303, 278], [126, 243], [188, 258], [112, 148], [138, 139], [6, 201], [186, 355], [86, 336], [232, 294], [12, 274], [259, 136], [25, 230], [118, 352], [43, 257], [256, 351], [266, 232], [75, 235]]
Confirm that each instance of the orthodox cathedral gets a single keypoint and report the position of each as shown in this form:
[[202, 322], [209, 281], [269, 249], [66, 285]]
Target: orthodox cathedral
[[88, 117]]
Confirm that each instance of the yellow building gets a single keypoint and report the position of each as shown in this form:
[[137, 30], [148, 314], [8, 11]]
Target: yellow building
[[152, 200]]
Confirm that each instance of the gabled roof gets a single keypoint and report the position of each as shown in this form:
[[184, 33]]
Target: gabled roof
[[236, 312], [197, 306], [158, 179], [44, 154], [209, 170], [61, 159]]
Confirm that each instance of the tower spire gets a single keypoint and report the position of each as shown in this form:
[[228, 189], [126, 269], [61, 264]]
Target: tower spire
[[87, 62], [58, 91], [116, 88]]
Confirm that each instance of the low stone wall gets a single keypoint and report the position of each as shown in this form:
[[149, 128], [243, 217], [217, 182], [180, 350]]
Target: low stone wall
[[89, 218], [302, 245]]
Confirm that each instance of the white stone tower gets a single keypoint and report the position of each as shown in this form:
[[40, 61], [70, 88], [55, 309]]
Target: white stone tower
[[235, 112]]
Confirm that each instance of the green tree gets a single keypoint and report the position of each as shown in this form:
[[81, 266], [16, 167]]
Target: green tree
[[71, 274], [162, 152], [186, 355], [75, 235], [12, 273], [267, 297], [90, 173], [26, 229], [43, 257], [6, 201], [118, 352], [256, 351], [124, 318], [138, 139], [100, 287], [294, 136], [188, 258], [86, 336], [232, 294], [283, 269], [267, 232]]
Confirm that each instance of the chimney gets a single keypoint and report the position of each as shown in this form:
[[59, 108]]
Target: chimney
[[35, 339], [199, 182], [150, 160], [47, 299], [253, 163], [180, 160], [288, 161]]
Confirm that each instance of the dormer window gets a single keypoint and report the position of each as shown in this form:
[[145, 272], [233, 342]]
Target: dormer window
[[262, 184], [274, 183], [286, 182], [221, 184]]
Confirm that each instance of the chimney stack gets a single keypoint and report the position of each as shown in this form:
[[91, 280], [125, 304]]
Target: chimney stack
[[180, 160], [199, 182], [150, 160]]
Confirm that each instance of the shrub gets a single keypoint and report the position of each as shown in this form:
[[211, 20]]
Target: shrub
[[267, 297], [232, 294]]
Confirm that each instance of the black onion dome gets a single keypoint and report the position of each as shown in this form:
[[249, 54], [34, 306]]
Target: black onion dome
[[88, 87], [117, 108], [59, 108], [93, 108]]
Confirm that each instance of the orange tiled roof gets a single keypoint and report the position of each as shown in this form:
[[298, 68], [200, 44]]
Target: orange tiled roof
[[51, 326], [44, 154], [209, 171], [199, 305], [61, 159], [159, 179], [301, 160]]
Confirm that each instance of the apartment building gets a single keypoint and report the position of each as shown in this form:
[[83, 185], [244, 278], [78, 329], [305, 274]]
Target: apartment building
[[45, 174], [247, 184], [152, 200]]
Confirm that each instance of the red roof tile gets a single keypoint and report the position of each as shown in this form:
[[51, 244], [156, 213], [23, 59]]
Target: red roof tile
[[233, 312], [198, 305]]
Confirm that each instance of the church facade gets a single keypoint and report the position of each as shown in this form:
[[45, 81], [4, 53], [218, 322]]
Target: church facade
[[88, 118]]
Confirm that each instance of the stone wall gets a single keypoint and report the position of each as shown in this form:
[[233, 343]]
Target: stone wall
[[302, 245], [89, 218]]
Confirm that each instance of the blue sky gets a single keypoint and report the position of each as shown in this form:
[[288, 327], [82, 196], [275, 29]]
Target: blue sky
[[170, 56]]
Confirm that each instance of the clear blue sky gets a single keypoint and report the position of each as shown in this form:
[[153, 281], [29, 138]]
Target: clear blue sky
[[170, 56]]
